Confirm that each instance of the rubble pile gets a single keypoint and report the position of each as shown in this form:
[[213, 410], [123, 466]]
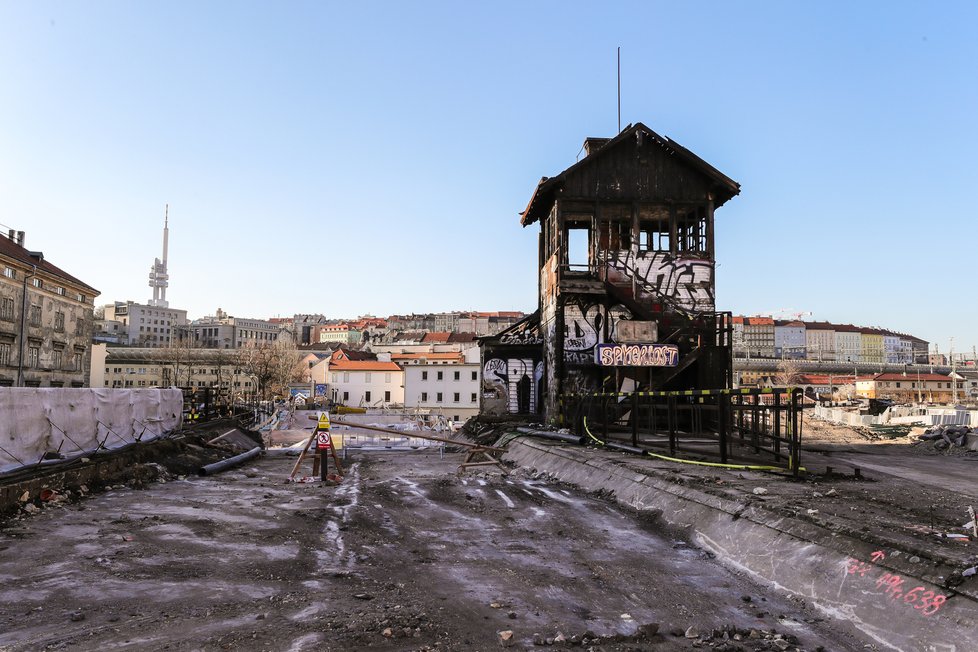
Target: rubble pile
[[944, 437]]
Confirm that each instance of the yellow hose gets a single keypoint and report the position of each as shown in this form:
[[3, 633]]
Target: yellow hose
[[741, 467]]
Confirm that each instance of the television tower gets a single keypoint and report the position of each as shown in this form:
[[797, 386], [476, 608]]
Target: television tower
[[158, 278]]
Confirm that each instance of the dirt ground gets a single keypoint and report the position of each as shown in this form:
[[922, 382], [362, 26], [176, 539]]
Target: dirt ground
[[404, 554]]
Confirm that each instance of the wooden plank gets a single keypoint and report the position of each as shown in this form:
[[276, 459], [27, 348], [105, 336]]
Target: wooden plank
[[414, 433]]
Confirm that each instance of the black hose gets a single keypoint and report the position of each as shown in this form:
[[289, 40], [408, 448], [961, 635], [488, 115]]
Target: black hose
[[557, 436], [223, 465], [613, 445]]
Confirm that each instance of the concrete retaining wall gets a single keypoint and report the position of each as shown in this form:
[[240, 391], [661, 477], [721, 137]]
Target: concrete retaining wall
[[837, 574]]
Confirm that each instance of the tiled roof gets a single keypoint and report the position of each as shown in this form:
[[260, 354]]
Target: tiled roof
[[428, 356], [910, 376], [361, 365], [13, 250], [436, 337]]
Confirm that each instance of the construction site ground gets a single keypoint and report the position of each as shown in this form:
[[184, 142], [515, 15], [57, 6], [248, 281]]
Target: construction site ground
[[406, 554]]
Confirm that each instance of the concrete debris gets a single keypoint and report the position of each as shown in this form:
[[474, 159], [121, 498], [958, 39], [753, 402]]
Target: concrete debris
[[831, 492], [945, 436], [506, 638], [968, 572], [24, 497], [760, 491], [691, 632]]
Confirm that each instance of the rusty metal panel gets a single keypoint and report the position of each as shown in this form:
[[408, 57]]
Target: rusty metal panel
[[634, 331]]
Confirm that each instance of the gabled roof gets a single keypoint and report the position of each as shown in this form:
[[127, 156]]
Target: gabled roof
[[910, 376], [343, 353], [361, 365], [13, 250], [451, 355], [728, 187]]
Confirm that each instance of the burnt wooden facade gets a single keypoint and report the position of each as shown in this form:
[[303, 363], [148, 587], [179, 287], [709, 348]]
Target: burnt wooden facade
[[626, 270]]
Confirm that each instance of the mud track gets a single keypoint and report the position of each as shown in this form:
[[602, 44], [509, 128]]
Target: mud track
[[403, 555]]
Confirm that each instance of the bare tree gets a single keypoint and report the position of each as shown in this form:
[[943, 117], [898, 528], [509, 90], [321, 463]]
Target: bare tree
[[788, 374], [178, 361], [845, 392], [273, 364]]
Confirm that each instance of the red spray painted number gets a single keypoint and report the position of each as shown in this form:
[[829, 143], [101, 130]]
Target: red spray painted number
[[894, 587]]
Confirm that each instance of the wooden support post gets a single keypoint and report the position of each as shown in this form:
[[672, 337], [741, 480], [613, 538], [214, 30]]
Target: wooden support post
[[634, 418], [722, 425]]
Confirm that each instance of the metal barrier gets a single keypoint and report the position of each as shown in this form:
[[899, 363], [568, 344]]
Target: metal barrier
[[395, 441], [761, 422]]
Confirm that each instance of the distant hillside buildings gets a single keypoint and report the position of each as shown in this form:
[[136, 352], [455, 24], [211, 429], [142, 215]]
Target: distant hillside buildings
[[764, 337]]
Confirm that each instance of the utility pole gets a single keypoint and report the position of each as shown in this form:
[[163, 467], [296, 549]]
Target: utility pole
[[954, 382]]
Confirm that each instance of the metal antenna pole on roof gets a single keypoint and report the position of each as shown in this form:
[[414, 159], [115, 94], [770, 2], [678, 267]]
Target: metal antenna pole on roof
[[619, 89]]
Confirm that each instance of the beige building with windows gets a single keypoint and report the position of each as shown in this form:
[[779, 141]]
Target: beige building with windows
[[141, 367], [142, 325], [908, 388], [223, 331], [46, 320]]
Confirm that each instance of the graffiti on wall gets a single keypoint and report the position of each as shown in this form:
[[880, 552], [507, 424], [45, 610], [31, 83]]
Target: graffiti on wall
[[686, 283], [524, 333], [586, 326], [515, 382], [637, 355]]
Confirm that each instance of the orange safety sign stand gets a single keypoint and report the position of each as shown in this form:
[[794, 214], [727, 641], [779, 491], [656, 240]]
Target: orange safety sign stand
[[323, 440]]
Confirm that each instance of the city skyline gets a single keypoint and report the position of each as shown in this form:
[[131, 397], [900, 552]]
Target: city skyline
[[366, 161]]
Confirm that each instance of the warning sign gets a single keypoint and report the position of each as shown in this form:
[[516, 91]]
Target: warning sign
[[323, 421], [323, 440]]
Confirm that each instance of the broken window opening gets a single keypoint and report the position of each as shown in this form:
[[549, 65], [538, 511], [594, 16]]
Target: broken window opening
[[615, 235], [578, 248], [691, 233], [653, 235]]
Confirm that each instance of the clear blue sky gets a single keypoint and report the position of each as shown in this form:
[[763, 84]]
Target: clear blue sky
[[373, 157]]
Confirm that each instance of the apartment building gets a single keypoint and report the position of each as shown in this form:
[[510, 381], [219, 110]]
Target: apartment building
[[46, 320], [820, 341], [136, 367], [136, 324], [759, 337], [789, 340], [223, 331], [445, 383]]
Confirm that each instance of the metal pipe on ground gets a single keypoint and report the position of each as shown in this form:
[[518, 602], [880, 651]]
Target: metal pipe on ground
[[624, 447], [223, 465], [556, 436]]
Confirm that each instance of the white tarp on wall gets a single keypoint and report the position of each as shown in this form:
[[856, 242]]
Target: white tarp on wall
[[930, 417], [76, 421]]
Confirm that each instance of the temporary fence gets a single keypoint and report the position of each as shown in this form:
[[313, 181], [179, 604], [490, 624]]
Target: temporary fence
[[897, 415], [49, 425], [746, 424]]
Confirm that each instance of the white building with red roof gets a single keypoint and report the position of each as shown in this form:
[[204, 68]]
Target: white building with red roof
[[365, 383]]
